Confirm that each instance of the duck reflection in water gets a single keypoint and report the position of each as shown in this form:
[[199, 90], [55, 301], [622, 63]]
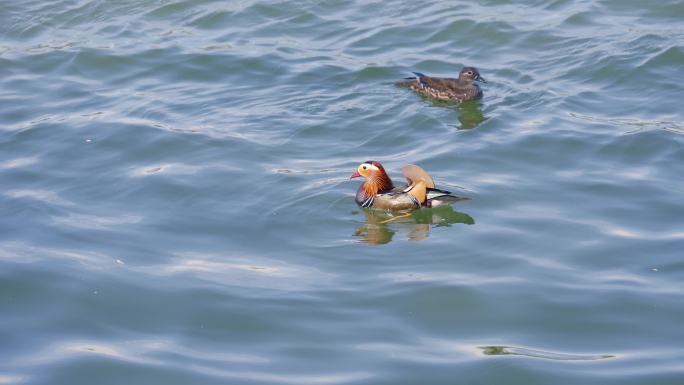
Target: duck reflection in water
[[381, 226], [470, 114]]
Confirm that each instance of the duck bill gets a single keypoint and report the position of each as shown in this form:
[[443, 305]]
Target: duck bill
[[481, 79], [356, 175]]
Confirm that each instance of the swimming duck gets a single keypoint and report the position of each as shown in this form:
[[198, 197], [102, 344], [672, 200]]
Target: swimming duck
[[378, 191], [457, 90]]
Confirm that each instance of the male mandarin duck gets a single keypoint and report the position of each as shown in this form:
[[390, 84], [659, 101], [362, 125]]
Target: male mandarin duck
[[378, 191], [457, 90]]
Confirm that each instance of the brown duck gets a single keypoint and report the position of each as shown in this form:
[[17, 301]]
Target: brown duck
[[457, 90], [378, 191]]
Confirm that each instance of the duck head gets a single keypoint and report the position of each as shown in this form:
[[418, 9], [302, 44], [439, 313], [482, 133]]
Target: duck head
[[470, 74], [377, 179]]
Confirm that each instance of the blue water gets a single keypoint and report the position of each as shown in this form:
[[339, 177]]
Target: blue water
[[176, 205]]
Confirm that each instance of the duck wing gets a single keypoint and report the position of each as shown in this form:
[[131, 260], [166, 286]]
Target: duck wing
[[415, 174], [419, 182], [436, 83], [405, 198]]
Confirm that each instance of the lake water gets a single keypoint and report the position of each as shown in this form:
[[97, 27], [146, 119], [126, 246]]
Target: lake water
[[176, 205]]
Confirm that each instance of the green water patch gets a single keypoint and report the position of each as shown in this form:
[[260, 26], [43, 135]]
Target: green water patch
[[381, 226]]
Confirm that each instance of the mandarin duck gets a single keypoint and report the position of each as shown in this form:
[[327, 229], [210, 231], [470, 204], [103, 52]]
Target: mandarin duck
[[378, 191], [457, 90]]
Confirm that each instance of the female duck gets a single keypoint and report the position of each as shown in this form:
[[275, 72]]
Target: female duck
[[457, 90], [378, 191]]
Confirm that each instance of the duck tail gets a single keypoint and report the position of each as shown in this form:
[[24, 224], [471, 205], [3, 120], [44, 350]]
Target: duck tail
[[437, 197]]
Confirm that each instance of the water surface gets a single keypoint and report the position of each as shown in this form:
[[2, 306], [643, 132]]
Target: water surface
[[176, 209]]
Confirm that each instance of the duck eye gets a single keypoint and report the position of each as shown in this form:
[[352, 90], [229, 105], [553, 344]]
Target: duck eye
[[469, 72], [364, 167]]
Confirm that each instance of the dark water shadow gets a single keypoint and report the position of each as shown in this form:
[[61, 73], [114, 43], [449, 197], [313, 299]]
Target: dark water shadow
[[381, 226], [469, 113], [514, 351]]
